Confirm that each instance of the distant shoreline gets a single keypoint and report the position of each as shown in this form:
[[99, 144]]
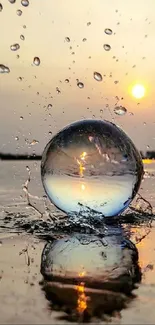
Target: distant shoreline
[[150, 155], [19, 157]]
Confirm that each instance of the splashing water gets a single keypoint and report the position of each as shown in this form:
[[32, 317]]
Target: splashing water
[[96, 164], [25, 3], [107, 47], [36, 61], [4, 69], [120, 110], [15, 47], [97, 76], [108, 31]]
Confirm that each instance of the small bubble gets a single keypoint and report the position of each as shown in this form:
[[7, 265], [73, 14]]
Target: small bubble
[[97, 76], [24, 26], [49, 106], [4, 69], [21, 118], [107, 47], [84, 39], [22, 37], [89, 23], [80, 84], [33, 142], [67, 81], [116, 82], [67, 39], [108, 31], [120, 110], [16, 138], [19, 12], [50, 133], [36, 61], [1, 7], [25, 3], [15, 47], [20, 79]]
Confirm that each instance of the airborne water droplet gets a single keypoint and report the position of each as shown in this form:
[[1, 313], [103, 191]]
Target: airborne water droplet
[[15, 47], [67, 39], [97, 76], [49, 106], [16, 138], [25, 3], [36, 61], [108, 31], [84, 39], [1, 7], [4, 69], [19, 12], [33, 142], [80, 84], [107, 47], [21, 118], [12, 1], [120, 110], [20, 78], [67, 81], [22, 37]]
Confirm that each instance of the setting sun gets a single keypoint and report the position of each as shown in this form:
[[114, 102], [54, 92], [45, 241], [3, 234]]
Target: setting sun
[[138, 91]]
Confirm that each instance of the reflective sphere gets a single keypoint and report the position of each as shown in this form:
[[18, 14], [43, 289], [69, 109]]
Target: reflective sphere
[[91, 164]]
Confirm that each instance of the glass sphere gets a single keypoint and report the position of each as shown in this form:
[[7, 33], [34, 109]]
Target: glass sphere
[[93, 165]]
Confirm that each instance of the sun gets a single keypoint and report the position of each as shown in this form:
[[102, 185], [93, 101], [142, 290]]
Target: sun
[[138, 91]]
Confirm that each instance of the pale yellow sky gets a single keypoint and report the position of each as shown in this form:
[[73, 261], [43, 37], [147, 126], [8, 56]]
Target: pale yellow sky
[[48, 22]]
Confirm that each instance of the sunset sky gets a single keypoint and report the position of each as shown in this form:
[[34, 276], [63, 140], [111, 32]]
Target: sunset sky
[[130, 61]]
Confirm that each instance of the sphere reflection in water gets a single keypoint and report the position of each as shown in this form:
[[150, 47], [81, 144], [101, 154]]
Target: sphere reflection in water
[[91, 164], [90, 274]]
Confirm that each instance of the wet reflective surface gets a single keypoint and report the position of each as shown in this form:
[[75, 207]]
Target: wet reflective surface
[[89, 276]]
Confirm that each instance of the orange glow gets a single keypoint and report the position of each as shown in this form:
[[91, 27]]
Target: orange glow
[[82, 299], [81, 167]]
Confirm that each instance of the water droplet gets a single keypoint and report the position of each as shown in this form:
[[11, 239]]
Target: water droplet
[[16, 138], [22, 37], [120, 110], [15, 47], [116, 82], [148, 147], [108, 31], [19, 12], [50, 133], [25, 3], [84, 39], [12, 1], [17, 56], [96, 164], [67, 81], [1, 7], [58, 90], [97, 76], [80, 84], [33, 142], [89, 23], [20, 78], [67, 39], [36, 61], [4, 69], [24, 26], [107, 47], [49, 106], [21, 118]]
